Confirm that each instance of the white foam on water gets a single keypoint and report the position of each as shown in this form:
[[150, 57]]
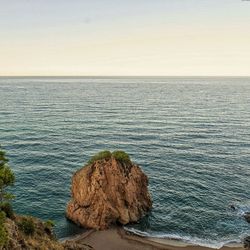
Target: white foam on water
[[187, 239], [242, 208]]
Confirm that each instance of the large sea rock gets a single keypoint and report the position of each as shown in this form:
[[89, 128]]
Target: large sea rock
[[106, 192]]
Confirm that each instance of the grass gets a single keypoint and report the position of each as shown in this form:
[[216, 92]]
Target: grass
[[119, 155]]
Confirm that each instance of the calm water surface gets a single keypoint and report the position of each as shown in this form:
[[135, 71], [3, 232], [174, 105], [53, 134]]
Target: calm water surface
[[191, 136]]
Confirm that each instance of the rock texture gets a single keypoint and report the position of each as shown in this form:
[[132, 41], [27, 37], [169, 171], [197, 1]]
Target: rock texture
[[106, 192]]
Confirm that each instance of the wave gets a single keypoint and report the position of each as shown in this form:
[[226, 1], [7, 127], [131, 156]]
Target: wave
[[187, 239], [242, 208]]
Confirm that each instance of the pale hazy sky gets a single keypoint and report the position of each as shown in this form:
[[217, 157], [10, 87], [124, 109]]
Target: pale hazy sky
[[124, 37]]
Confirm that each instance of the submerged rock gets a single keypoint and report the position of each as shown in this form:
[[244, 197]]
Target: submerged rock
[[247, 216], [247, 243], [233, 207], [108, 191]]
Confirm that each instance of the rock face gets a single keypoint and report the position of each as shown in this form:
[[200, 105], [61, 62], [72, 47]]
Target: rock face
[[108, 191]]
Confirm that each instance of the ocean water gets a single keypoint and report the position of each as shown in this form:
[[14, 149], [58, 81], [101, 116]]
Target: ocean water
[[191, 136]]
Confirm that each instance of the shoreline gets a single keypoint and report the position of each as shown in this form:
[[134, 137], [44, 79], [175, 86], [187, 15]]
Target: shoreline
[[118, 238]]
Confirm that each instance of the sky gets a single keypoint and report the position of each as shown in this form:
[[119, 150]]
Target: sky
[[125, 38]]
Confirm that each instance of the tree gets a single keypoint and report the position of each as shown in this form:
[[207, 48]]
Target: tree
[[7, 178]]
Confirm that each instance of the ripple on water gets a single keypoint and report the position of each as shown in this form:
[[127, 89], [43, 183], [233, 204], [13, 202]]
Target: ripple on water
[[191, 137]]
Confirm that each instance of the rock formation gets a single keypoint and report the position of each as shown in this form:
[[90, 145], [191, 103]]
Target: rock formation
[[108, 191]]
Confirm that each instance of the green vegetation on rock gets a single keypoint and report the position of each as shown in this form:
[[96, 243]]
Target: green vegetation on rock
[[119, 155], [100, 156]]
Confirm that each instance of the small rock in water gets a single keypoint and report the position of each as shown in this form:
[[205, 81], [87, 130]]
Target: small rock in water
[[108, 191], [246, 243], [233, 207], [247, 216]]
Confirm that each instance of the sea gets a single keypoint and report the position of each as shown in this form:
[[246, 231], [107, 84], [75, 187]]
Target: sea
[[190, 135]]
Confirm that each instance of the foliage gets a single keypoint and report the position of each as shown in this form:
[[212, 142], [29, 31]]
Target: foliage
[[7, 209], [3, 233], [27, 225], [49, 223], [118, 155], [121, 156], [99, 156], [7, 177], [3, 159], [2, 217]]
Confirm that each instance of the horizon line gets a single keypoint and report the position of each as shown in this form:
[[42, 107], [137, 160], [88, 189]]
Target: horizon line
[[122, 76]]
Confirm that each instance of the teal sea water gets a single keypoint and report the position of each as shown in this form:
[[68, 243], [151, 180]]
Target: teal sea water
[[191, 136]]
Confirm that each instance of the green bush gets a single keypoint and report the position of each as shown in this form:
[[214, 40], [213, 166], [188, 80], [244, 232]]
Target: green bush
[[121, 156], [27, 226], [3, 232], [7, 209], [118, 155], [99, 156]]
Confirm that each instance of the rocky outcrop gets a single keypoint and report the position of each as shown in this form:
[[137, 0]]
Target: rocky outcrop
[[25, 232], [108, 191], [34, 235]]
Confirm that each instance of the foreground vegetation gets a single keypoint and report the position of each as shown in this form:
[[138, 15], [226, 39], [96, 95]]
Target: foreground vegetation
[[7, 178], [25, 232]]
